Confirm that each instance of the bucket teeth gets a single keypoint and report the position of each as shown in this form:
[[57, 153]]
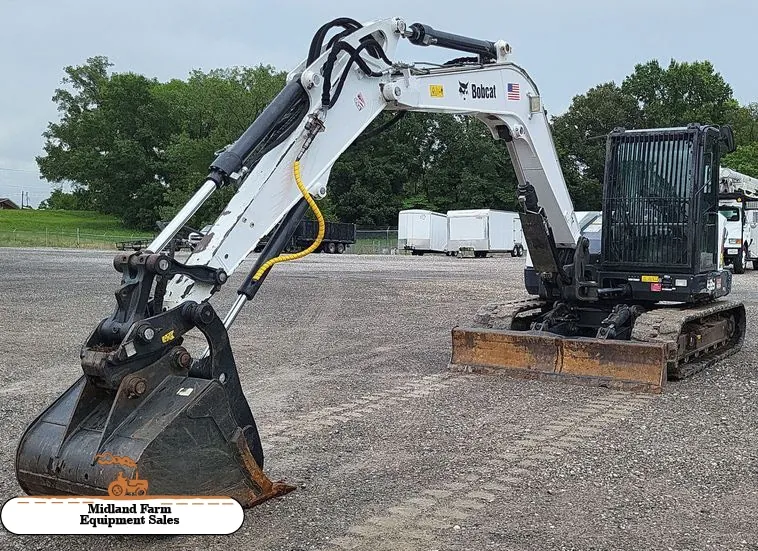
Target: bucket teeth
[[264, 489]]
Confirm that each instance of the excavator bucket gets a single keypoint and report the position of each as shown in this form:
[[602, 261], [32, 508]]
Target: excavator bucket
[[615, 364], [173, 428]]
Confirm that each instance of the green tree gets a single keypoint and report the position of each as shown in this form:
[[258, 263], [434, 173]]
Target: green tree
[[467, 167], [580, 133], [139, 148], [680, 94], [209, 111], [435, 162], [60, 200], [744, 121], [108, 141], [651, 97], [744, 160], [368, 182]]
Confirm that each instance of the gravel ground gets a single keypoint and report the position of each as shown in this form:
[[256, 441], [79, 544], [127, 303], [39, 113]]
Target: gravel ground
[[344, 361]]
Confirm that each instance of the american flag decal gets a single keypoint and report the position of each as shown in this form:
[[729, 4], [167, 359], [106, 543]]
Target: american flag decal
[[514, 92]]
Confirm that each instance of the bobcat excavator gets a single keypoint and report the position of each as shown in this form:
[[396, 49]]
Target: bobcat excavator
[[184, 422]]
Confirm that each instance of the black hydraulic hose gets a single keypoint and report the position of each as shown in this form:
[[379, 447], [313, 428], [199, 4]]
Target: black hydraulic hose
[[367, 45], [280, 133], [318, 39], [339, 36], [462, 60], [326, 98], [382, 127], [374, 51], [275, 245]]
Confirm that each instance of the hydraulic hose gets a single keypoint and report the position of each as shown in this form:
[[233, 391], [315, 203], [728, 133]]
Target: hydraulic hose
[[319, 237]]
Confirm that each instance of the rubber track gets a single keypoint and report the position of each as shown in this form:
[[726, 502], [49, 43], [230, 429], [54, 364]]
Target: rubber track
[[664, 324], [499, 315]]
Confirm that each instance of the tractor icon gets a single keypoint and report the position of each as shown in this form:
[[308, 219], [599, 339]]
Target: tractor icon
[[123, 486], [127, 486]]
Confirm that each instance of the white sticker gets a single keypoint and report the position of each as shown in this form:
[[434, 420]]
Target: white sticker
[[184, 391], [130, 349], [681, 282]]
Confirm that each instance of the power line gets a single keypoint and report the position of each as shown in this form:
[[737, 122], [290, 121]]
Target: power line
[[16, 189], [19, 170]]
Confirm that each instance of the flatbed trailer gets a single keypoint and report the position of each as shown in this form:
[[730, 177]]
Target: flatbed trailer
[[338, 236]]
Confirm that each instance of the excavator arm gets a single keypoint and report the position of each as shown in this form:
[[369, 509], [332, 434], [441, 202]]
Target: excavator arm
[[334, 112], [183, 423]]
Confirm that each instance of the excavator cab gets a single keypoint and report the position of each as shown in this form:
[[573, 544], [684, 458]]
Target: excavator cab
[[660, 208]]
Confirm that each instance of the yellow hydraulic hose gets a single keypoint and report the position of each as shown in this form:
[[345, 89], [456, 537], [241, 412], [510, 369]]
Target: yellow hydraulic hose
[[319, 237]]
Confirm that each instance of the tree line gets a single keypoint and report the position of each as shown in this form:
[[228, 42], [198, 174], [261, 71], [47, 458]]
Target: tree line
[[138, 148]]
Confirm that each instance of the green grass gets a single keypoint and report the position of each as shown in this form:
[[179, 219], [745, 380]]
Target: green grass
[[63, 220], [58, 228]]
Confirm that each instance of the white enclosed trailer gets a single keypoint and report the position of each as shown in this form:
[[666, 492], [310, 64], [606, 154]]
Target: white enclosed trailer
[[485, 231], [421, 231]]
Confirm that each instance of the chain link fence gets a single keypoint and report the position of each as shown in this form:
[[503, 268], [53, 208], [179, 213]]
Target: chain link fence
[[374, 241], [367, 240], [66, 239]]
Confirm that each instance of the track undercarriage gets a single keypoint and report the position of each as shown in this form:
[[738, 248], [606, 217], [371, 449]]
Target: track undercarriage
[[630, 347]]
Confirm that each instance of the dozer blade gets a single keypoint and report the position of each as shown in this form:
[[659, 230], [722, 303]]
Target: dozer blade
[[181, 439], [608, 363]]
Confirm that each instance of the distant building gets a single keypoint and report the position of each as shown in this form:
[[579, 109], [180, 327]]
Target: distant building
[[7, 204]]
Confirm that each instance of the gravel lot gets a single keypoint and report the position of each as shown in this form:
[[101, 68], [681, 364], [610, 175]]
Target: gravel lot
[[344, 361]]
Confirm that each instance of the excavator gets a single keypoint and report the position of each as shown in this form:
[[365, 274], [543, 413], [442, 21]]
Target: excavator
[[184, 422]]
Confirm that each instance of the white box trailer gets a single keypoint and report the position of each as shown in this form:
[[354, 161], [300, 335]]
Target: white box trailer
[[485, 231], [421, 231]]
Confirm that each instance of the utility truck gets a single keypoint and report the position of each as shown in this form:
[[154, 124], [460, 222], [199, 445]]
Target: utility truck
[[738, 205]]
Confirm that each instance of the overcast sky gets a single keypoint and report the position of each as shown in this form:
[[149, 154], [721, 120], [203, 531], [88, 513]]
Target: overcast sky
[[567, 46]]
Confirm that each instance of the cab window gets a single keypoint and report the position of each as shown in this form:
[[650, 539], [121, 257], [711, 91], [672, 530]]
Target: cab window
[[731, 214]]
